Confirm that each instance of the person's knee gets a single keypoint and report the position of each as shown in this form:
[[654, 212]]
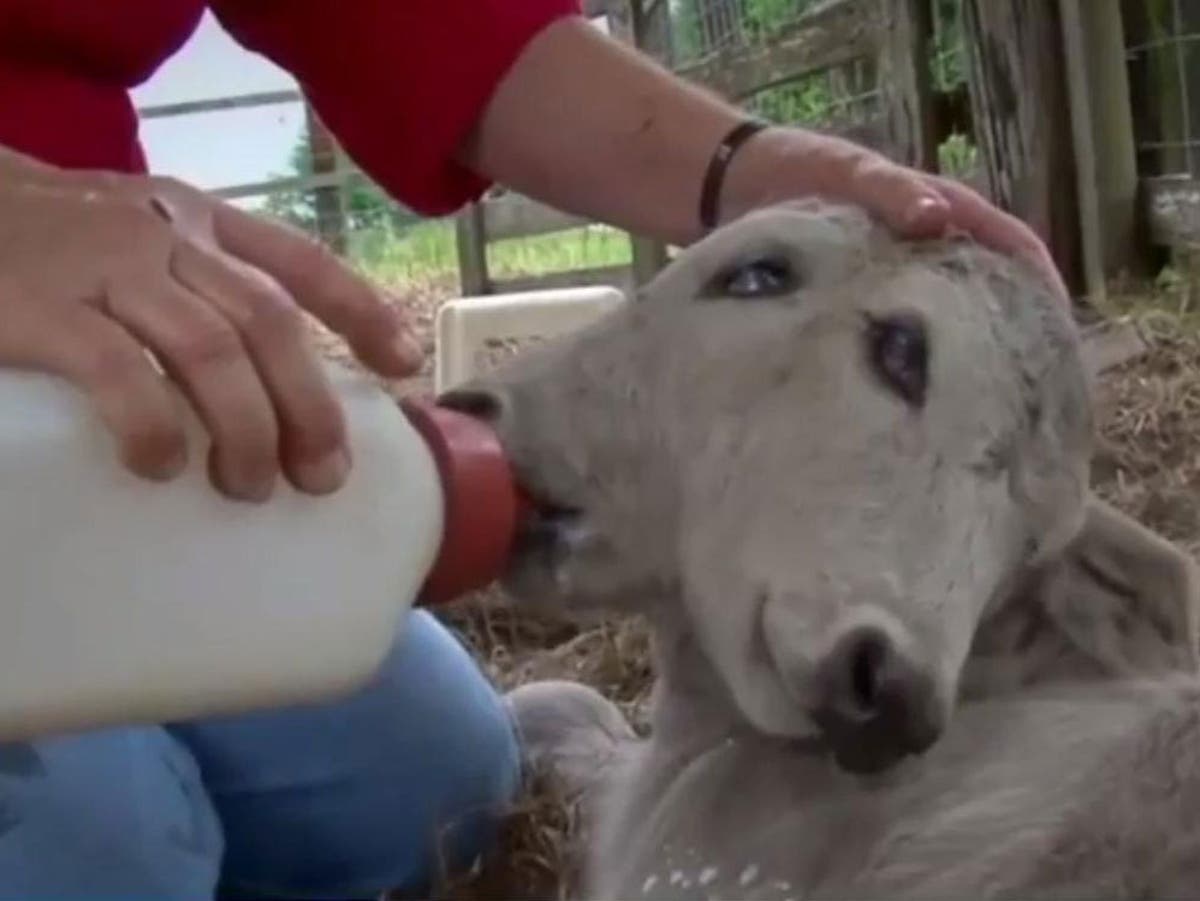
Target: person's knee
[[470, 788], [113, 814], [468, 766], [367, 794], [448, 764]]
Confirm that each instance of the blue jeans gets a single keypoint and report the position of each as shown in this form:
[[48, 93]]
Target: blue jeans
[[343, 800]]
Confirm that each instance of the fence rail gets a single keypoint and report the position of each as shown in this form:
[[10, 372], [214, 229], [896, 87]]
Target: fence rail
[[219, 104], [313, 182]]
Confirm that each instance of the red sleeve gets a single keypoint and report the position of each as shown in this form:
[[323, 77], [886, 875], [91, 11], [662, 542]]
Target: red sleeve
[[399, 82]]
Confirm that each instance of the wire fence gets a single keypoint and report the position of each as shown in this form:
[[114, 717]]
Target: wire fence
[[845, 97], [1163, 56], [706, 26], [838, 96]]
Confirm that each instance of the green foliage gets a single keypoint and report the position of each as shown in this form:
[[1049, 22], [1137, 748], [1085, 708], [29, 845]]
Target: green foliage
[[947, 62], [809, 101], [957, 156], [763, 18], [1178, 283], [1170, 280], [367, 204], [426, 251], [685, 29], [821, 99], [806, 102], [812, 101], [760, 20]]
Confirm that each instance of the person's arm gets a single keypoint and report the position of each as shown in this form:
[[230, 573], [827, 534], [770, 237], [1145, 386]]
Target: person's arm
[[589, 125], [97, 268], [400, 82], [592, 126], [437, 99]]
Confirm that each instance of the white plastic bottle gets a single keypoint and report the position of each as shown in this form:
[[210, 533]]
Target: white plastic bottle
[[124, 600]]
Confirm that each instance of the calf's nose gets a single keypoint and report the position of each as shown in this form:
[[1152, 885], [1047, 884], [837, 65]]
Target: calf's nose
[[475, 400], [873, 705]]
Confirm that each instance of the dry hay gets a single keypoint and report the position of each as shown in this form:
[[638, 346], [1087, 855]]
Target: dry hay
[[1148, 460], [1148, 463]]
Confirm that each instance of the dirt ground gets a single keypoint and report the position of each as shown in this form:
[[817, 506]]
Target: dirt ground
[[1147, 462]]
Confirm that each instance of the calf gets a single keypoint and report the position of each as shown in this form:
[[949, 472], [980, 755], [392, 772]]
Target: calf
[[901, 651]]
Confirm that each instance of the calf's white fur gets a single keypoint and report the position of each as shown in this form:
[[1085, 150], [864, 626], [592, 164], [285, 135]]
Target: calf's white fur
[[802, 433]]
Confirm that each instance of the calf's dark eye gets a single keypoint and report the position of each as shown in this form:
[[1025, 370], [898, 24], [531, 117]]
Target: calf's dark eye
[[898, 352], [768, 276]]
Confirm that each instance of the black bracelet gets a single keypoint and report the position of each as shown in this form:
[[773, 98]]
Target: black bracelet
[[710, 191]]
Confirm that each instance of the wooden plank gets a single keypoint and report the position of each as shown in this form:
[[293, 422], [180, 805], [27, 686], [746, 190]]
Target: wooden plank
[[649, 257], [1187, 21], [1172, 210], [1023, 121], [1102, 40], [619, 20], [328, 200], [274, 185], [1087, 188], [217, 104], [834, 34], [651, 29], [471, 246], [906, 82], [617, 276], [516, 216]]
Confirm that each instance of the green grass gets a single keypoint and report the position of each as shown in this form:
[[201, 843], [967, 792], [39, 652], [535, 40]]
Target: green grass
[[427, 251]]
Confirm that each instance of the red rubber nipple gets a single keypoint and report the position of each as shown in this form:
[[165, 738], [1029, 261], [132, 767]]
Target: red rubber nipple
[[483, 504]]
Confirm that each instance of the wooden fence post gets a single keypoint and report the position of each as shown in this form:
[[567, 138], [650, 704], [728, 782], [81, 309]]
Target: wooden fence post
[[650, 29], [1156, 88], [329, 201], [1102, 41], [471, 246], [1083, 129], [619, 16], [1022, 119], [906, 83]]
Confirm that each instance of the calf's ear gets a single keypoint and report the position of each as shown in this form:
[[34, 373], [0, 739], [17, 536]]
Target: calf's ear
[[1119, 601]]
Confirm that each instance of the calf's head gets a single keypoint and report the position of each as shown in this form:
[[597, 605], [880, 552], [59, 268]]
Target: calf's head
[[826, 452]]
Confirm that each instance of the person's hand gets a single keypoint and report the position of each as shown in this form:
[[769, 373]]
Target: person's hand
[[912, 203], [103, 276]]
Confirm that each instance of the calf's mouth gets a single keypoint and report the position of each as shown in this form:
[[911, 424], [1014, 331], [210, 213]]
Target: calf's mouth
[[551, 529], [549, 535]]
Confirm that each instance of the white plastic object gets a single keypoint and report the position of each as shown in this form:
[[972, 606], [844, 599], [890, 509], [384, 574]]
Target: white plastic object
[[126, 601], [465, 324]]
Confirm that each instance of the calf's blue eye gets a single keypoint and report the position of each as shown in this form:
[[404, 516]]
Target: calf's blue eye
[[763, 277], [898, 351]]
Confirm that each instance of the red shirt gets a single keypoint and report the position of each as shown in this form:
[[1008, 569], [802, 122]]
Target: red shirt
[[400, 82]]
